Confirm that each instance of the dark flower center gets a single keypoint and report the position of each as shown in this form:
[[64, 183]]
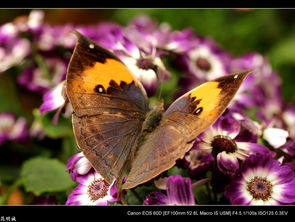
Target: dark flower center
[[203, 64], [98, 189], [223, 143], [145, 63], [260, 188]]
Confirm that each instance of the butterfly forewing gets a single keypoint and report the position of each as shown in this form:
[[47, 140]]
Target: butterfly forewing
[[185, 119], [109, 107]]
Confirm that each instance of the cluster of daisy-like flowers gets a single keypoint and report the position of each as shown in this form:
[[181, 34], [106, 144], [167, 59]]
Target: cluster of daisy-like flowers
[[247, 154]]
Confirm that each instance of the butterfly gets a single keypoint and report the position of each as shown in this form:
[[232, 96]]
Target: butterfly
[[115, 127]]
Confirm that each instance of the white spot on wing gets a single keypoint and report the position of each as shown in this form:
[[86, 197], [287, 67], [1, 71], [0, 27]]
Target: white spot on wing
[[91, 46]]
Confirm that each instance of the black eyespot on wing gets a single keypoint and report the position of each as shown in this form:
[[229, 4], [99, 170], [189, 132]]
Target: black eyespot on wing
[[193, 104], [198, 111], [124, 85], [99, 89], [114, 87]]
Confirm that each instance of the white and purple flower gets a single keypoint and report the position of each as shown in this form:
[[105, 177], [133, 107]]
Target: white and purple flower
[[78, 165], [263, 181], [145, 32], [179, 191], [198, 162], [222, 140], [47, 74], [12, 128], [276, 137], [93, 190], [288, 117], [289, 147], [13, 53], [207, 61], [53, 99]]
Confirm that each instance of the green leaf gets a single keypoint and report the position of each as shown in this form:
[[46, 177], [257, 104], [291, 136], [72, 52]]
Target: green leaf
[[201, 194], [138, 195], [62, 129], [132, 198], [3, 199], [177, 171], [9, 97], [8, 173], [45, 175], [283, 52], [43, 66]]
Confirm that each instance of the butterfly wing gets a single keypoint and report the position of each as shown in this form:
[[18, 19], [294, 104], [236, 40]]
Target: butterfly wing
[[109, 107], [185, 119]]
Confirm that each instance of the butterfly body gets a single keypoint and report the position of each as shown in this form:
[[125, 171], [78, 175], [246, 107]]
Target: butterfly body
[[114, 126]]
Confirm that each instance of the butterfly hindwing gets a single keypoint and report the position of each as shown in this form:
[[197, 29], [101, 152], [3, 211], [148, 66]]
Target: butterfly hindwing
[[185, 119], [109, 107]]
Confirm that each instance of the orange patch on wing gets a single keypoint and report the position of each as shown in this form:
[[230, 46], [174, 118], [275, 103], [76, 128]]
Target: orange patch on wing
[[209, 95], [102, 74]]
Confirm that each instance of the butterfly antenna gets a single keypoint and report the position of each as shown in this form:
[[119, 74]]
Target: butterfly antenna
[[160, 89], [160, 79]]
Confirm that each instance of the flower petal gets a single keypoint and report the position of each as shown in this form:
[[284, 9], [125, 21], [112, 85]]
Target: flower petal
[[179, 191], [53, 99], [227, 163], [156, 198], [275, 136]]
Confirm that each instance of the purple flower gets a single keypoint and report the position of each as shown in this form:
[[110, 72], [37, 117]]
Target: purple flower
[[288, 117], [53, 99], [262, 87], [250, 130], [289, 147], [207, 61], [182, 41], [289, 153], [52, 36], [276, 137], [33, 23], [221, 140], [44, 78], [92, 190], [145, 32], [179, 192], [198, 161], [12, 128], [263, 181], [143, 61], [13, 48], [252, 60], [8, 31], [13, 53], [78, 165]]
